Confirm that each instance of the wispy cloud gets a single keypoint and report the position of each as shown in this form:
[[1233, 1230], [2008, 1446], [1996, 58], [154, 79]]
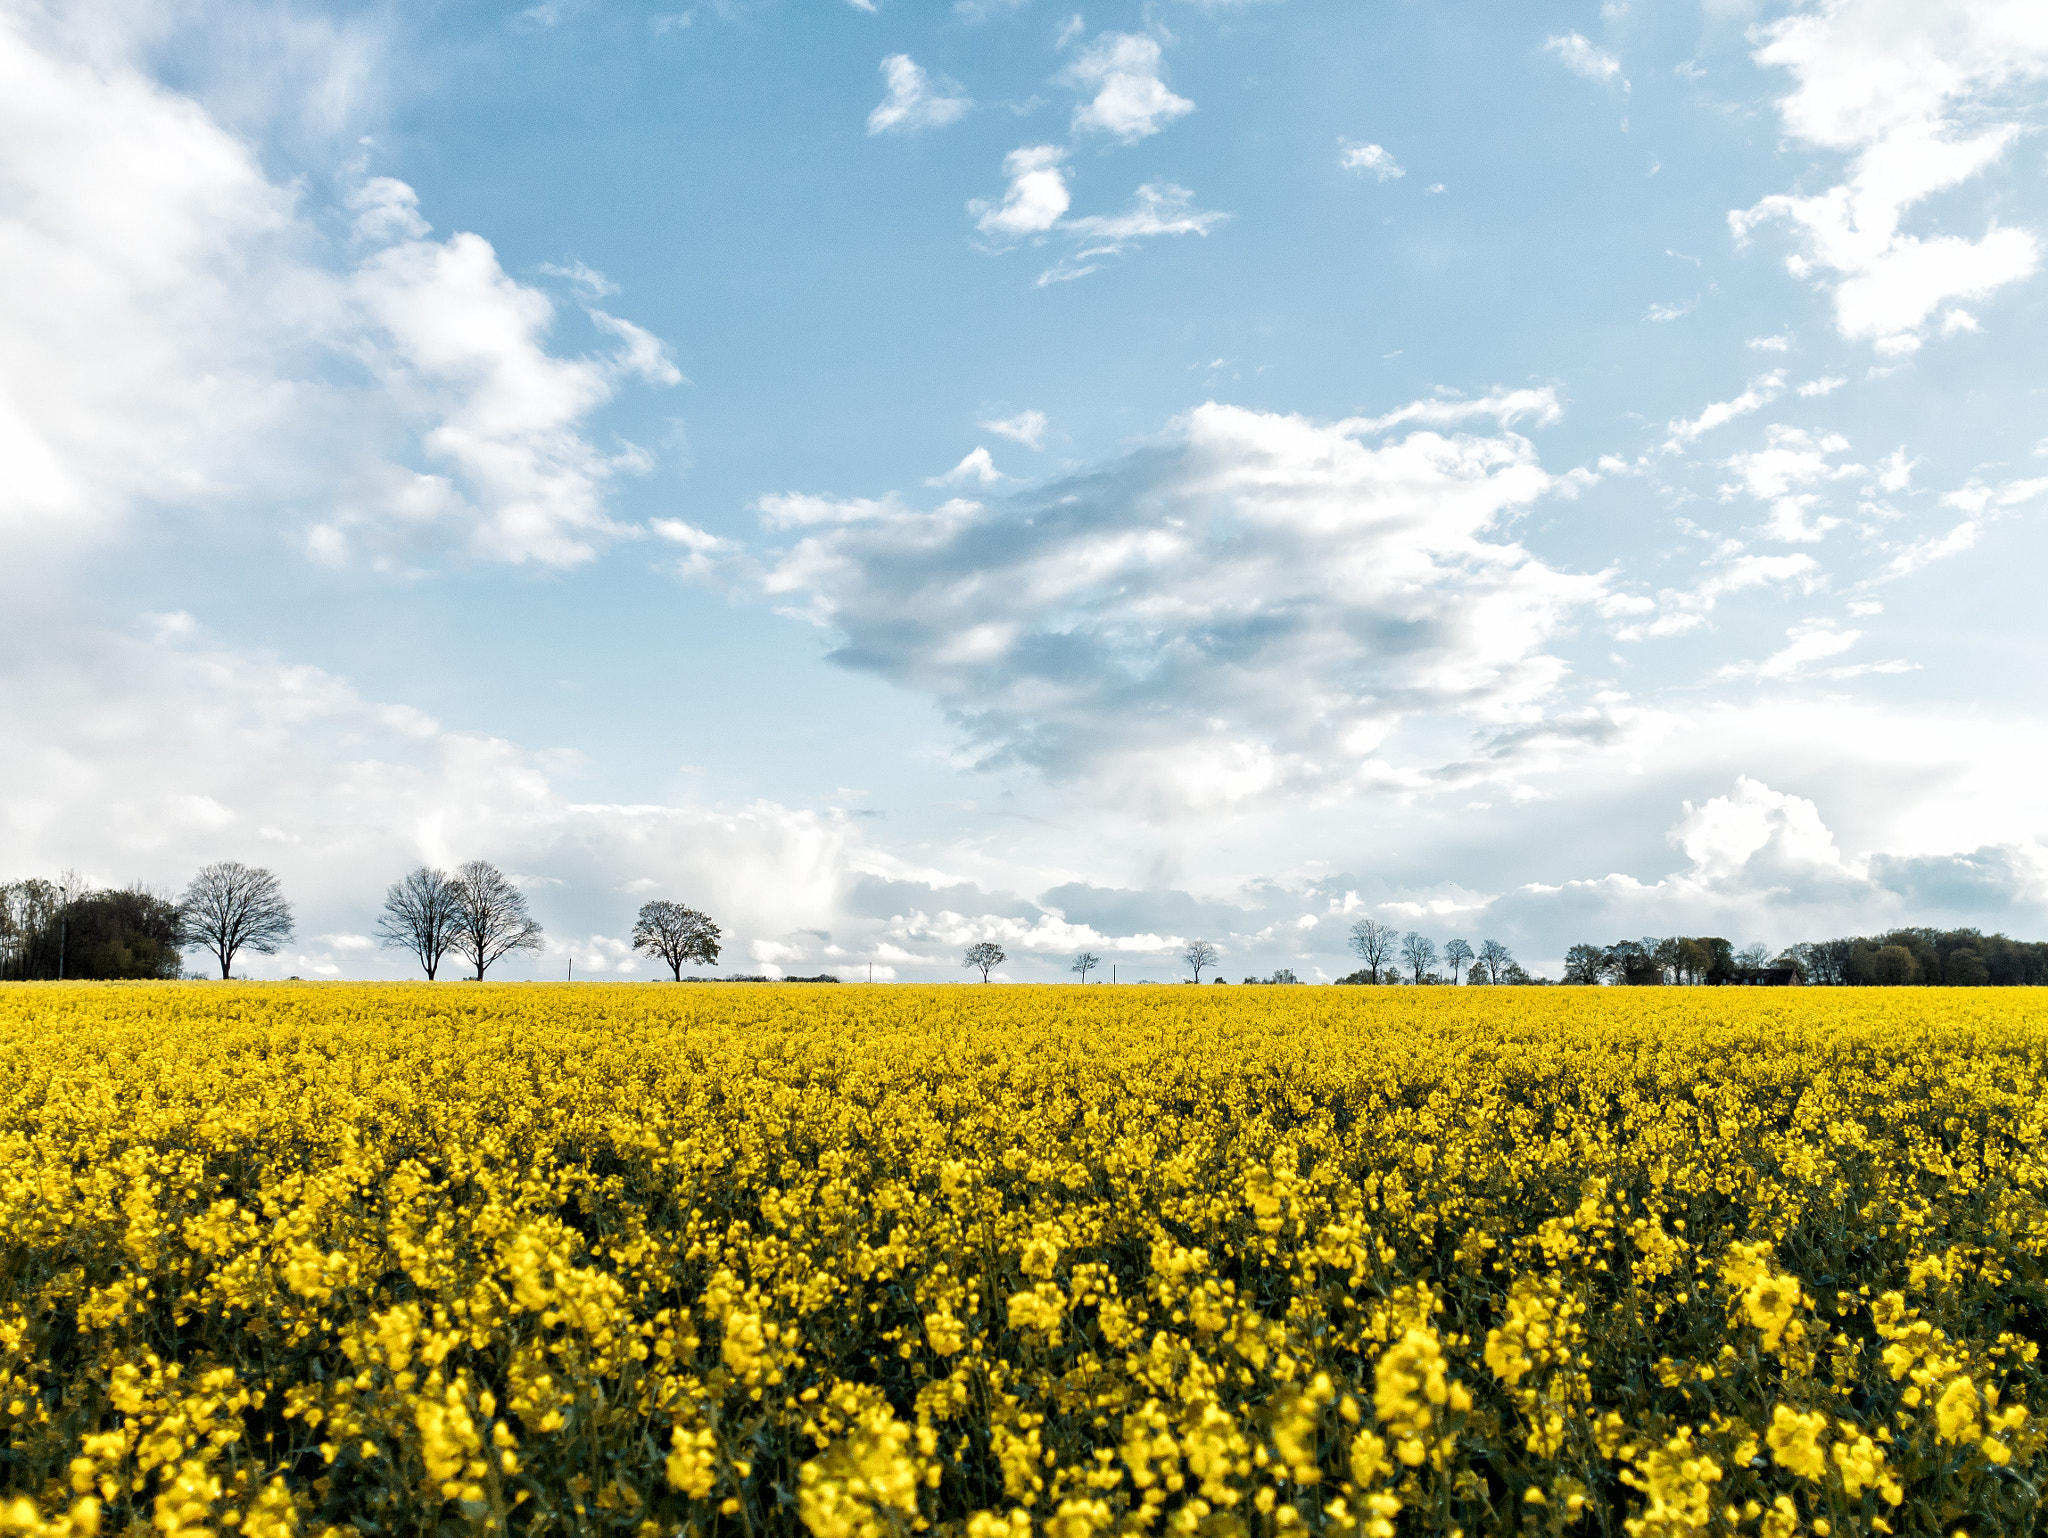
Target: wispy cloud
[[912, 104], [1761, 393], [1579, 55], [1026, 427], [1159, 208]]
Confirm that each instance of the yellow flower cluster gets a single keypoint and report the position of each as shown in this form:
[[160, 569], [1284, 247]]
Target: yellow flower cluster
[[345, 1261]]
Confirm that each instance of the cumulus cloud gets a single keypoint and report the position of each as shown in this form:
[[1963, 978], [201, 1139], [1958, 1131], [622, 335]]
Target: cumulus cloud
[[1370, 157], [912, 104], [1589, 62], [403, 391], [1908, 93], [1036, 198], [1250, 608], [979, 466], [1130, 101], [1764, 862]]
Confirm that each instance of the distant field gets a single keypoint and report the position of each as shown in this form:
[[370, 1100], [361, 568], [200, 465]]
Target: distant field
[[1007, 1260]]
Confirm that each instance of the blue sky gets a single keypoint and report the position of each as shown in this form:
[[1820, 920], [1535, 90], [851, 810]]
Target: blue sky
[[894, 475]]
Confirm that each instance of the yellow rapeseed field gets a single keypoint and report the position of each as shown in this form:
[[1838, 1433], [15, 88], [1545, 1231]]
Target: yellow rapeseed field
[[1001, 1262]]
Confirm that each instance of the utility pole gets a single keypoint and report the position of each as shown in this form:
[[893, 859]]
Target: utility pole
[[63, 924]]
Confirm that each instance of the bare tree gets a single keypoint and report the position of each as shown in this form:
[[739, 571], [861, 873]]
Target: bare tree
[[1199, 954], [231, 907], [1496, 958], [1085, 963], [1419, 953], [1757, 955], [985, 954], [420, 914], [491, 918], [676, 934], [1374, 944], [1457, 953]]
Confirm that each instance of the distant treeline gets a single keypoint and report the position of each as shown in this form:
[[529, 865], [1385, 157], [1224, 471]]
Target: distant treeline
[[1956, 958], [1959, 958]]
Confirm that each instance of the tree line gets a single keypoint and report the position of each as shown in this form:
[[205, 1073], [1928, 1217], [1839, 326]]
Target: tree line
[[1955, 958], [1389, 956], [66, 929]]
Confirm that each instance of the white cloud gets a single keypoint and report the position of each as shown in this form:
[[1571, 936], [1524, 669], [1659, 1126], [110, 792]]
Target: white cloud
[[1728, 836], [704, 554], [1370, 157], [1769, 343], [1761, 393], [912, 105], [1895, 470], [1783, 472], [463, 349], [1248, 610], [1825, 386], [1036, 198], [1026, 427], [401, 391], [1507, 407], [1160, 208], [1131, 102], [1906, 91], [1577, 54], [1806, 645], [1982, 504], [1663, 312], [979, 466], [591, 283], [1729, 571]]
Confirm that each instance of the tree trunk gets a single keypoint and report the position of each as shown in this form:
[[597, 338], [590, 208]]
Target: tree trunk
[[676, 967], [227, 960]]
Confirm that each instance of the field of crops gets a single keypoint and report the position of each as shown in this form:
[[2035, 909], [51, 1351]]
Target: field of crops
[[1006, 1261]]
